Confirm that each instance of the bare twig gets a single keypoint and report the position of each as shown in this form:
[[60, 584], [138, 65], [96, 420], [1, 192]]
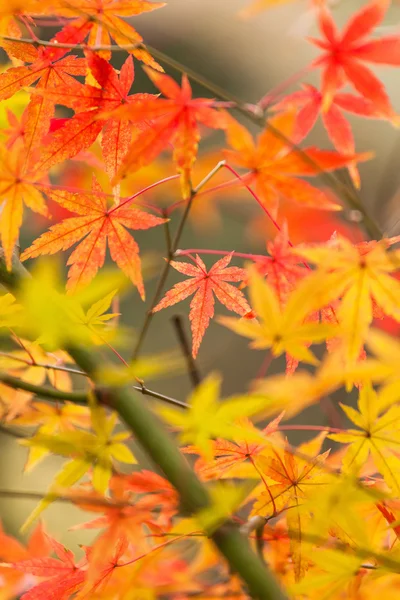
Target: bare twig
[[193, 371]]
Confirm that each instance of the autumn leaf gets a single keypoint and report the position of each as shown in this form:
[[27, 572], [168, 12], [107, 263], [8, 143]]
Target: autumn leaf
[[102, 21], [19, 185], [344, 54], [204, 284], [63, 576], [293, 482], [283, 329], [377, 436], [335, 573], [308, 104], [361, 276], [274, 167], [99, 226], [237, 459], [175, 120], [207, 418], [57, 319], [95, 451], [90, 102]]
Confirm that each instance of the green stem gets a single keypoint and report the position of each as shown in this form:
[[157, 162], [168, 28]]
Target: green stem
[[42, 390]]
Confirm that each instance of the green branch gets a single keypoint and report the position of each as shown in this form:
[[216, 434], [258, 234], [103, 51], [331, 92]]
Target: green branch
[[161, 448], [42, 390]]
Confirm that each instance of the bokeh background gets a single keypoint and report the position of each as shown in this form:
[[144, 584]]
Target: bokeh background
[[249, 58]]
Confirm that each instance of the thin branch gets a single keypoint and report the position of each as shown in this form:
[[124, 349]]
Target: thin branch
[[73, 499], [47, 44], [193, 371], [15, 382], [174, 247]]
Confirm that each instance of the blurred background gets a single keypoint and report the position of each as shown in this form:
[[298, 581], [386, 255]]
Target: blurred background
[[249, 58]]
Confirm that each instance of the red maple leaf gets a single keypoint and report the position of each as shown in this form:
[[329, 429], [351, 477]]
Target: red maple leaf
[[49, 68], [89, 101], [63, 576], [308, 103], [344, 53], [204, 284], [174, 121], [99, 225]]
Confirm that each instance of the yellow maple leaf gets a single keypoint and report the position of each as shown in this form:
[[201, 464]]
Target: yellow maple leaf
[[281, 329], [377, 436], [208, 418]]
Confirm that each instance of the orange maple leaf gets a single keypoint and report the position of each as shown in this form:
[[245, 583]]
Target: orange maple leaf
[[205, 283], [63, 576], [101, 21], [275, 167], [174, 120], [18, 185], [89, 103], [344, 53], [50, 69], [99, 225]]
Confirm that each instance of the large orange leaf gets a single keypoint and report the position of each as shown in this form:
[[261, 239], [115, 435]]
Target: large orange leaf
[[98, 225], [89, 101], [174, 120], [204, 284], [275, 168]]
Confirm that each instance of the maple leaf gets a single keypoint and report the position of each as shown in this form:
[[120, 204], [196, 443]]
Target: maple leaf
[[236, 459], [18, 185], [99, 225], [175, 120], [308, 103], [275, 168], [33, 364], [49, 69], [206, 418], [377, 436], [204, 284], [283, 329], [90, 103], [294, 481], [97, 450], [343, 55], [360, 274], [334, 575], [126, 513], [57, 319], [51, 420], [101, 21], [64, 576], [12, 550], [384, 368]]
